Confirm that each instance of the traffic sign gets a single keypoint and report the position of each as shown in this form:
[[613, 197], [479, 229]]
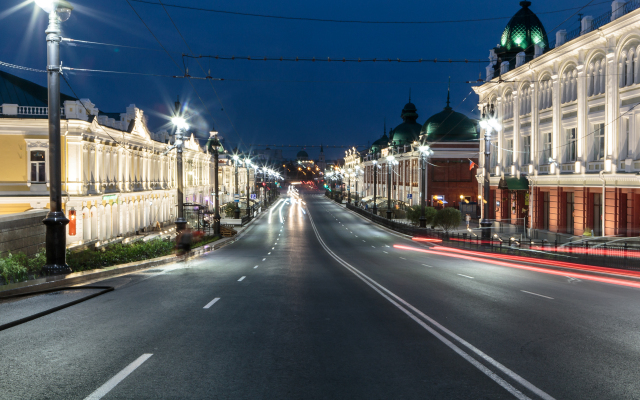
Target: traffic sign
[[253, 196], [409, 196]]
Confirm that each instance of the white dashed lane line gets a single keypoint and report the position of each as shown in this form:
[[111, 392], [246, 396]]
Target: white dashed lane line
[[467, 276], [384, 252], [212, 302], [427, 265], [403, 258], [536, 294], [119, 377], [255, 267], [264, 259]]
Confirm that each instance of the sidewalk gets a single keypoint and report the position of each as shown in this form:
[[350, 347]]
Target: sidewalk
[[78, 278]]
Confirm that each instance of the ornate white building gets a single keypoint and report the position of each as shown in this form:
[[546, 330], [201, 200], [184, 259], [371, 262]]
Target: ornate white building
[[571, 123], [116, 178]]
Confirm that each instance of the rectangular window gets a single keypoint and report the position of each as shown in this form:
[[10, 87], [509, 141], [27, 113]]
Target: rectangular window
[[526, 150], [509, 153], [598, 142], [493, 153], [546, 147], [38, 166], [571, 145]]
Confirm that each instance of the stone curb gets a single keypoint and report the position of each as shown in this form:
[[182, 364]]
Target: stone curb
[[51, 282]]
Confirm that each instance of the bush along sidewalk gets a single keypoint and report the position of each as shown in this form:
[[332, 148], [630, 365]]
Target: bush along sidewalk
[[19, 267]]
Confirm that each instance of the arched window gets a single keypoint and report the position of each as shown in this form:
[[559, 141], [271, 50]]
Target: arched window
[[628, 65], [545, 94], [596, 76], [569, 85]]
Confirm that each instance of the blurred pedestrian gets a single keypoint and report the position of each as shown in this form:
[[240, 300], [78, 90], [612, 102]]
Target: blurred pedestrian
[[184, 241]]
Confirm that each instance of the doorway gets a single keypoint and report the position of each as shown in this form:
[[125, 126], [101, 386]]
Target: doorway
[[597, 214]]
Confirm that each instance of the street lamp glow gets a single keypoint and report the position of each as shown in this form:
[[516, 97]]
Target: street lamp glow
[[390, 158], [180, 123], [62, 8]]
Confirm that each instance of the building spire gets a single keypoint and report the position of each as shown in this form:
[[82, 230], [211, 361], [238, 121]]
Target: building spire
[[448, 91]]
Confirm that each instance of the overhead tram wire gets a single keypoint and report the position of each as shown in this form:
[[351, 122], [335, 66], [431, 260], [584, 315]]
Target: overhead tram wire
[[172, 59], [345, 20], [203, 71], [344, 59]]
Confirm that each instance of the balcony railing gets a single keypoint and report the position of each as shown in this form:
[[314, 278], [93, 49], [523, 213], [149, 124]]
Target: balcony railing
[[598, 22]]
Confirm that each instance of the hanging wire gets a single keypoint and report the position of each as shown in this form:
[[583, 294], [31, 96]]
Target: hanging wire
[[351, 21]]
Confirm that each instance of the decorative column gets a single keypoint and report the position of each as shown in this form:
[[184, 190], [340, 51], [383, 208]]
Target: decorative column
[[582, 118]]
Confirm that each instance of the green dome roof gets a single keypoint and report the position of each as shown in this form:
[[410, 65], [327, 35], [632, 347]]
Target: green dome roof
[[302, 154], [408, 131], [449, 126], [380, 144], [524, 30]]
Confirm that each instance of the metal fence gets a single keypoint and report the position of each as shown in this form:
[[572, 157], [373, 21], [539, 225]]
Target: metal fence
[[597, 252]]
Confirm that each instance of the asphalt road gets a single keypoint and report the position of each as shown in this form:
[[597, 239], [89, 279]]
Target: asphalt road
[[321, 305]]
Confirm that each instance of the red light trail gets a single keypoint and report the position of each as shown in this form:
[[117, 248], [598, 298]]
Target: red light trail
[[613, 281]]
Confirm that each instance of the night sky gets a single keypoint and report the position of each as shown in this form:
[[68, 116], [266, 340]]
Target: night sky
[[298, 103]]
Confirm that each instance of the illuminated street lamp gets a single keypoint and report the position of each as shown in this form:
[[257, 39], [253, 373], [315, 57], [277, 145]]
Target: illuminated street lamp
[[56, 239], [181, 126], [489, 123], [349, 187], [248, 165], [375, 186], [425, 153], [213, 146], [390, 161], [236, 212]]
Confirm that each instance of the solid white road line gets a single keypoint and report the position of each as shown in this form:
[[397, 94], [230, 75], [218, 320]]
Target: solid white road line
[[255, 267], [241, 279], [467, 276], [536, 294], [212, 302], [113, 382], [414, 313]]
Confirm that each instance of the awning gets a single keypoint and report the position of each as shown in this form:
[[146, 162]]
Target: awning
[[510, 183]]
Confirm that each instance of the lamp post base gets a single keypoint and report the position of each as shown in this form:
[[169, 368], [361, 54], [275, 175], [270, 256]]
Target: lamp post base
[[423, 221], [216, 225], [374, 210], [485, 224], [236, 213], [389, 213], [56, 244], [181, 224]]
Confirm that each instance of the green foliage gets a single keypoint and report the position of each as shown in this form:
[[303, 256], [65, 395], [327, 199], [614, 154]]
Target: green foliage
[[414, 212], [119, 254], [12, 270], [229, 209], [448, 218]]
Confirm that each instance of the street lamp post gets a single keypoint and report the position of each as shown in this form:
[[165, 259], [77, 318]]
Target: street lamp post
[[390, 160], [425, 151], [55, 239], [349, 187], [357, 170], [181, 126], [247, 164], [489, 123], [213, 146], [375, 187], [237, 192]]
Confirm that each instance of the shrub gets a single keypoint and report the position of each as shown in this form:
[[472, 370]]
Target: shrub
[[229, 210], [448, 218], [414, 212], [12, 270]]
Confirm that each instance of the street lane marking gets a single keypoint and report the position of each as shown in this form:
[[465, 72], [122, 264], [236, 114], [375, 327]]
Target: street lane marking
[[119, 377], [373, 246], [414, 314], [255, 267], [356, 235], [427, 265], [272, 249], [241, 279], [384, 252], [268, 253], [467, 276], [263, 259], [212, 302], [363, 240], [536, 294], [401, 257]]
